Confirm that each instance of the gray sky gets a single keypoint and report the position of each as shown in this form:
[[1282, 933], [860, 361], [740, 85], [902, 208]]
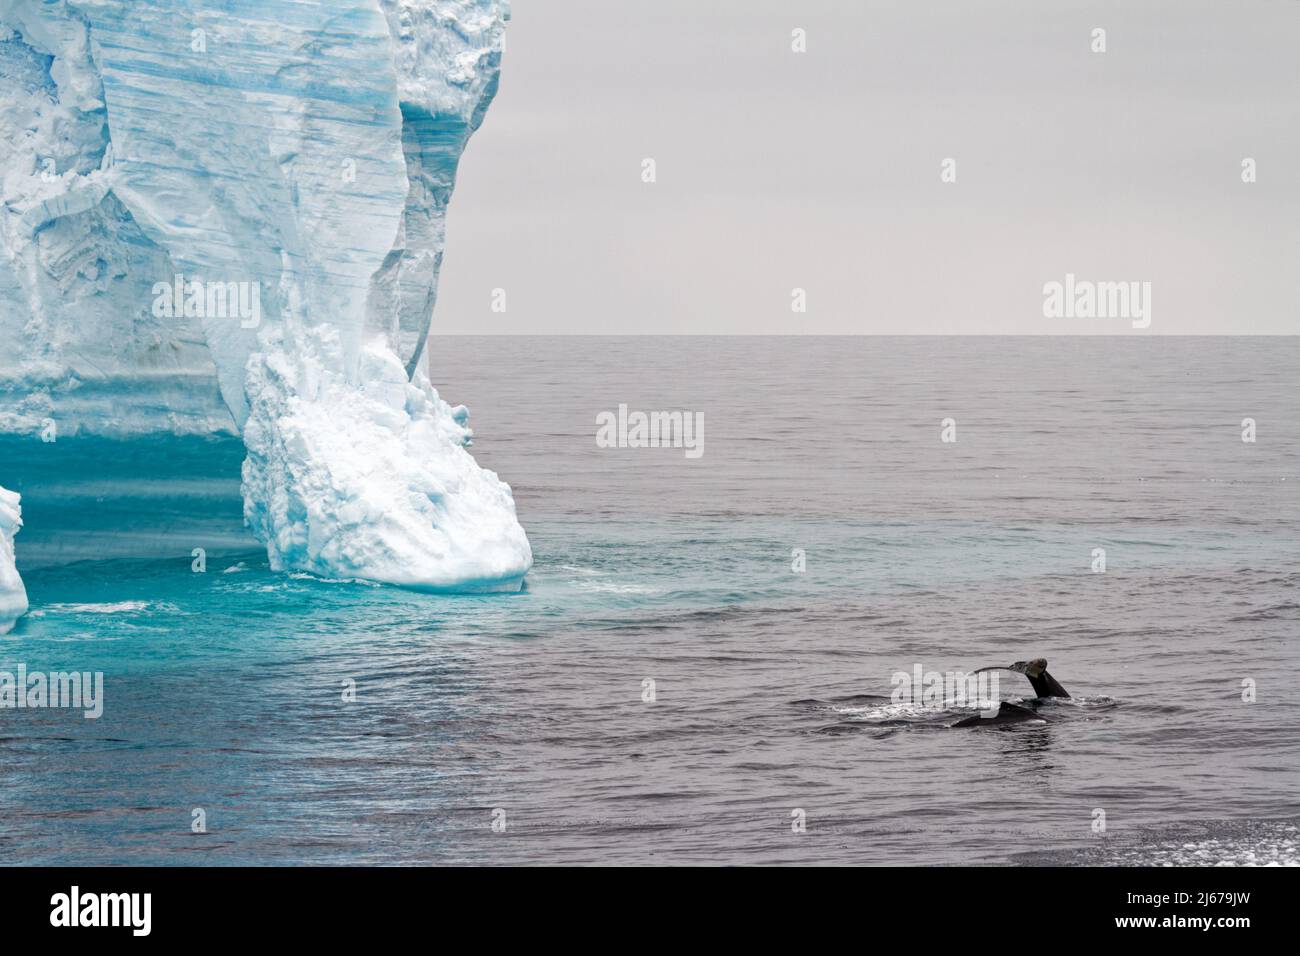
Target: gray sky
[[821, 170]]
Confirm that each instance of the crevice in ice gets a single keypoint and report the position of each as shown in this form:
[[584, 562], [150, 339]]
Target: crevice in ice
[[78, 343]]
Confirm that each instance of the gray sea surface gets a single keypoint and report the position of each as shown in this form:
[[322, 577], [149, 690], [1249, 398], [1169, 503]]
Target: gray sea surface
[[771, 736]]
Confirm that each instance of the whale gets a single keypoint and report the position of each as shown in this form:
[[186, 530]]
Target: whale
[[1043, 683]]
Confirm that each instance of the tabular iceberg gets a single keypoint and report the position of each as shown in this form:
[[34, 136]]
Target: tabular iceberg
[[13, 596], [229, 216]]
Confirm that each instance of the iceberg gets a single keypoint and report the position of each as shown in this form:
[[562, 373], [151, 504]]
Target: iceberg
[[13, 596], [229, 218]]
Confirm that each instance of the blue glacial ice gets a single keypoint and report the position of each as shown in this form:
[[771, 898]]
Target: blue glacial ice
[[229, 217]]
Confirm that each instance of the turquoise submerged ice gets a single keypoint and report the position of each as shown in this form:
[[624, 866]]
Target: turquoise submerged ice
[[231, 219]]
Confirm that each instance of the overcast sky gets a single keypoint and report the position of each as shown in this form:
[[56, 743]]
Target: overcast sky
[[821, 170]]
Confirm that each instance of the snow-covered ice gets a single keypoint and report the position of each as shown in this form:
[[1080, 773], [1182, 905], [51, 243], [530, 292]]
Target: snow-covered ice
[[371, 481], [305, 153], [13, 596]]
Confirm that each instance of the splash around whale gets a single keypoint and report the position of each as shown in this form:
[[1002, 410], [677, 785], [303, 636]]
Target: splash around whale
[[947, 701]]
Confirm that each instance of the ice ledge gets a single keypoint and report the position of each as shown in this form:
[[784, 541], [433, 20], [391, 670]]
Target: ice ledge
[[370, 481], [13, 596]]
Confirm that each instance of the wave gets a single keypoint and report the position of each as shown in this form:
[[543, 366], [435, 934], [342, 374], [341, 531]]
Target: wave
[[115, 607]]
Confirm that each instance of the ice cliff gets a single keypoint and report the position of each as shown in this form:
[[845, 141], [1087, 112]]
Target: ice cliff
[[230, 216], [13, 596]]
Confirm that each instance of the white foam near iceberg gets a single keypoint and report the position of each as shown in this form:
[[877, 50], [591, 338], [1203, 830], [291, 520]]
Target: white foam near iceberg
[[261, 256], [13, 596]]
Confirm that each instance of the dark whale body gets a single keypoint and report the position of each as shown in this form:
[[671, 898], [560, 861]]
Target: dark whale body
[[1008, 713], [1044, 684]]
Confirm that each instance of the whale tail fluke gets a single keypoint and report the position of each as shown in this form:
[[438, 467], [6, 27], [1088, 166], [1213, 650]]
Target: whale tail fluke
[[1044, 684]]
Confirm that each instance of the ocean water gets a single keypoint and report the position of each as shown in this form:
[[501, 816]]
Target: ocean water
[[224, 690]]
